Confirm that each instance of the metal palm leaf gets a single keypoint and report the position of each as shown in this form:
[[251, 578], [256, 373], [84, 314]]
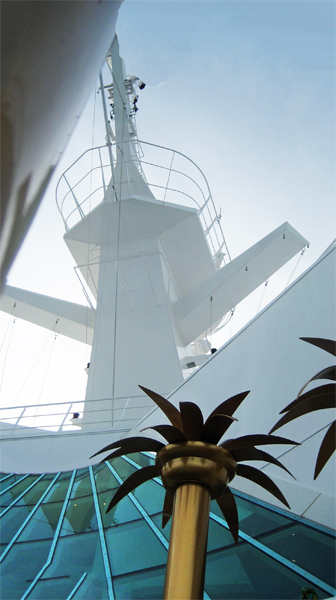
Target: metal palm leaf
[[318, 398], [191, 438]]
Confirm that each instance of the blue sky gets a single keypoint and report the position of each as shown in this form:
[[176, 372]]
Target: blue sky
[[247, 91]]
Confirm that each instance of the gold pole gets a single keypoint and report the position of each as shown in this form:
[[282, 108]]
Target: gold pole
[[194, 472], [188, 541]]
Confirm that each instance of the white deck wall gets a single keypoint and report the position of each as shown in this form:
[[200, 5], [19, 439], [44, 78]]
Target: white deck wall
[[268, 358]]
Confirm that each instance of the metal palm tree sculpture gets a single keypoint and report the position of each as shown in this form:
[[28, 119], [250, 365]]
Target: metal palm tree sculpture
[[321, 397], [194, 470]]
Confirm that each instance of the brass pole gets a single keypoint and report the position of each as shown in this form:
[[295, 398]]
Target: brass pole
[[188, 542]]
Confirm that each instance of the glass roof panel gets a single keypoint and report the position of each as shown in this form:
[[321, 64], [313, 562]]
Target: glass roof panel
[[245, 572], [74, 556], [147, 585], [133, 547], [20, 567], [80, 516], [310, 549], [43, 523], [122, 513]]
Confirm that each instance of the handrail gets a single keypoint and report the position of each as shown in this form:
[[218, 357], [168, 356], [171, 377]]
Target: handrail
[[60, 419], [202, 197]]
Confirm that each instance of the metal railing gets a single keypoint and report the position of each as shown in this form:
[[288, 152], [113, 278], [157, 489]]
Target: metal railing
[[106, 413], [170, 176]]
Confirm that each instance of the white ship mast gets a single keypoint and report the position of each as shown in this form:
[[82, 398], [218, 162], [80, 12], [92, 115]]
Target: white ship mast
[[155, 267]]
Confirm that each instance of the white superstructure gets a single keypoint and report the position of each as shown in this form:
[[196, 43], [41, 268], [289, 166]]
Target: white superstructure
[[150, 253], [157, 268]]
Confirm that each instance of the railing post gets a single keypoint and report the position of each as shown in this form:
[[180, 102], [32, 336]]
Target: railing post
[[80, 210], [101, 166], [170, 168]]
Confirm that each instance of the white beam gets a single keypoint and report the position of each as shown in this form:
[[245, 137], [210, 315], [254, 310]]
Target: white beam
[[73, 320], [236, 280]]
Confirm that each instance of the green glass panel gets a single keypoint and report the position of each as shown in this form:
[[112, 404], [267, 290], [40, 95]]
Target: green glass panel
[[59, 489], [133, 547], [253, 519], [80, 516], [105, 480], [92, 588], [146, 585], [80, 473], [5, 500], [151, 496], [142, 459], [74, 555], [11, 495], [123, 512], [82, 484], [98, 467], [20, 567], [245, 572], [33, 496], [7, 482], [57, 588], [43, 523], [158, 522], [218, 536], [12, 521], [123, 468], [312, 550]]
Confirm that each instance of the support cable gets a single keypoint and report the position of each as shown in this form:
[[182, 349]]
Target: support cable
[[227, 318], [47, 367], [7, 326], [89, 226], [231, 324], [50, 333], [296, 266], [7, 349], [262, 296], [117, 266]]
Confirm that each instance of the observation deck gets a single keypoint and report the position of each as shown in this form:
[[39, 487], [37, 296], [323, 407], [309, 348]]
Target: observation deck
[[171, 177]]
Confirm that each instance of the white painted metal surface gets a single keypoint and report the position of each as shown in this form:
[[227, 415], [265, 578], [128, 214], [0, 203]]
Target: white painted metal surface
[[152, 266], [70, 319], [268, 358]]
